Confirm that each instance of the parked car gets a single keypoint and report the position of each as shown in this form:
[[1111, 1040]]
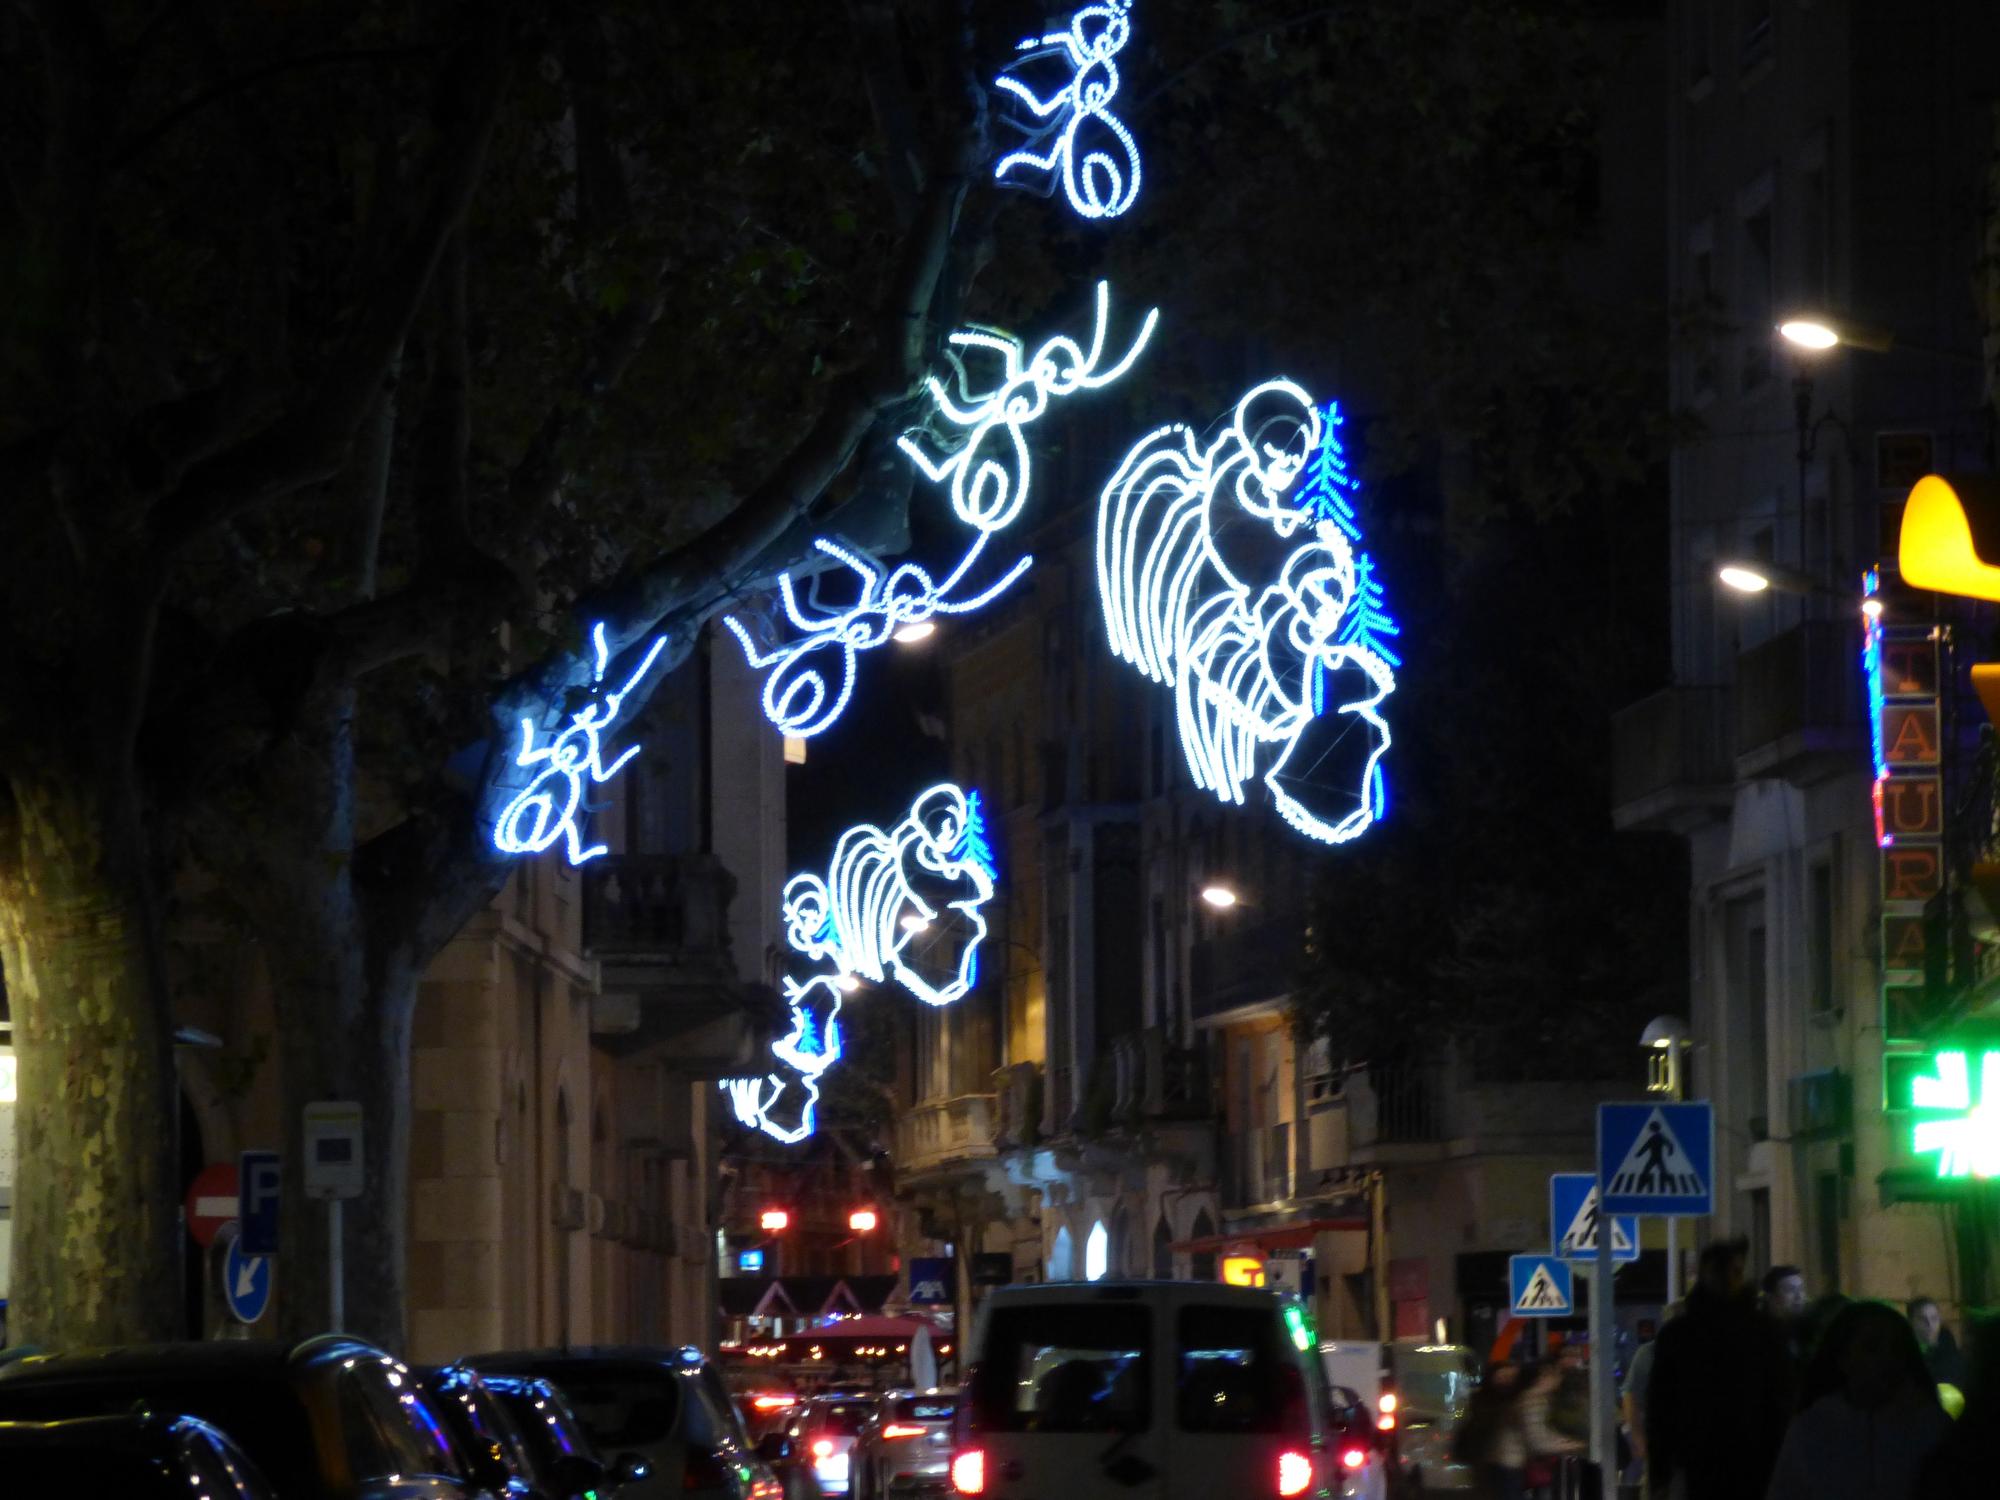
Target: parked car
[[138, 1456], [1093, 1390], [1417, 1393], [563, 1463], [1364, 1452], [766, 1408], [490, 1446], [664, 1408], [905, 1448], [331, 1419]]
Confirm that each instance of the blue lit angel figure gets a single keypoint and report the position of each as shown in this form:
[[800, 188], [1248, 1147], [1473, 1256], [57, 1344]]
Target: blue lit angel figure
[[550, 808], [896, 907], [1072, 135], [1219, 581]]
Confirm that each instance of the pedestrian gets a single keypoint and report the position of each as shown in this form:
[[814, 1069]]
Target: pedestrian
[[1940, 1348], [1543, 1444], [1638, 1378], [1784, 1301], [1721, 1389], [1482, 1442], [1968, 1458], [1871, 1415]]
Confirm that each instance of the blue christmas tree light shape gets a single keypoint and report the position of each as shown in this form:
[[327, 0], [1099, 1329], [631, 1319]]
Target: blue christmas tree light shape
[[974, 846]]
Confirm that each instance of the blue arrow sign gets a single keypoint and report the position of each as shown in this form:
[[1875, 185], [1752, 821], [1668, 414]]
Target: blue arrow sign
[[1540, 1286], [246, 1282], [1657, 1158], [257, 1202], [1573, 1221]]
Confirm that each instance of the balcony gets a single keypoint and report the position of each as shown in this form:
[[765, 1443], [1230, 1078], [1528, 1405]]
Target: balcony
[[1397, 1106], [941, 1134], [658, 926], [1154, 1080], [1798, 705], [1018, 1105], [1671, 763]]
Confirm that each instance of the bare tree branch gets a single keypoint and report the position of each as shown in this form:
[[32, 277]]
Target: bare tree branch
[[311, 441], [878, 45]]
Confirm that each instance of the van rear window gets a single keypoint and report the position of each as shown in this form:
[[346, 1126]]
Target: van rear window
[[922, 1409], [1067, 1367], [1235, 1372]]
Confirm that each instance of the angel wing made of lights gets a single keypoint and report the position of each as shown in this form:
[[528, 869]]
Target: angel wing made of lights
[[1071, 133], [1216, 582]]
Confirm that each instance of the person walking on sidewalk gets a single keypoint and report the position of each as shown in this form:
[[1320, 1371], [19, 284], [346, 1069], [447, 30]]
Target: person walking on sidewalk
[[1871, 1416]]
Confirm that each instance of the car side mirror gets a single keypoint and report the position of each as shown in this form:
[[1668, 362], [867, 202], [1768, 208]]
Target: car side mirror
[[773, 1448], [630, 1468]]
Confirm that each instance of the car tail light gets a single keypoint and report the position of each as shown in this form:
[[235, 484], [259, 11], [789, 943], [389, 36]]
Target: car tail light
[[773, 1403], [1295, 1473], [822, 1447], [903, 1430], [1354, 1458], [968, 1472]]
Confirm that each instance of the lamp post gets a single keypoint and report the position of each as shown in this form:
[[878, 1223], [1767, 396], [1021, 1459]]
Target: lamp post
[[1666, 1041]]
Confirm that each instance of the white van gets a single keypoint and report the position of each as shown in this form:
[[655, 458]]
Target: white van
[[1151, 1390], [1417, 1392]]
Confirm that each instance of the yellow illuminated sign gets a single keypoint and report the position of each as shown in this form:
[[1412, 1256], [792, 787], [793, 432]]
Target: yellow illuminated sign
[[1243, 1270], [1936, 550]]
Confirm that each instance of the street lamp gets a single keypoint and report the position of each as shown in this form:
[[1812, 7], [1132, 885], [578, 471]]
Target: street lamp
[[774, 1221], [1219, 896], [848, 983], [1816, 331], [862, 1221], [913, 923], [916, 630]]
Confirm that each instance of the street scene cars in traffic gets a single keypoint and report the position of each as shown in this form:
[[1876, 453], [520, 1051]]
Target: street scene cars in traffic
[[136, 1456], [905, 1448]]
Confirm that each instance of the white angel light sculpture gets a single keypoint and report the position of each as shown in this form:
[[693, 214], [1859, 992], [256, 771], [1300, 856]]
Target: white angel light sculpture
[[1217, 581], [900, 906], [1072, 134], [988, 473], [551, 806]]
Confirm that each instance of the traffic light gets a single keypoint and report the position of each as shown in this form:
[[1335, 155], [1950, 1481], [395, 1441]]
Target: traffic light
[[862, 1221], [774, 1221]]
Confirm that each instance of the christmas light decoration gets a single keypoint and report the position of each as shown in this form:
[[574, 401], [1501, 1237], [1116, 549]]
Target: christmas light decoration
[[1272, 635], [855, 919], [812, 676], [987, 493], [1100, 173], [550, 806]]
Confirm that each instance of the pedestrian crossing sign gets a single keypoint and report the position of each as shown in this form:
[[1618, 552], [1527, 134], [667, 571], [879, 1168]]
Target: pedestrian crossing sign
[[1657, 1158], [1540, 1286], [1573, 1220]]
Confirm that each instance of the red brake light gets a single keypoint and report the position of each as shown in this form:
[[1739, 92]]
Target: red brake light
[[968, 1472], [1295, 1473], [773, 1403], [903, 1430], [1353, 1458]]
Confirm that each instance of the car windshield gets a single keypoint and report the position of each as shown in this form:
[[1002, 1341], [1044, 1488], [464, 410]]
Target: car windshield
[[1065, 1367], [922, 1408], [1234, 1373], [1432, 1383], [623, 1408]]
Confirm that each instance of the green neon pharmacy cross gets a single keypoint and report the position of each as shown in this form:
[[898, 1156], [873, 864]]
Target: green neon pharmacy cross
[[1967, 1137]]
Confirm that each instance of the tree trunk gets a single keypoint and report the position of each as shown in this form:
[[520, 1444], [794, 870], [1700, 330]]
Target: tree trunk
[[96, 1228]]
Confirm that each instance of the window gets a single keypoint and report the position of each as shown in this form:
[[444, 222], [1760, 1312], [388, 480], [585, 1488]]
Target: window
[[1096, 1252], [1757, 293], [1065, 1367], [1234, 1372], [1062, 1256], [622, 1411], [923, 1408], [1163, 1250]]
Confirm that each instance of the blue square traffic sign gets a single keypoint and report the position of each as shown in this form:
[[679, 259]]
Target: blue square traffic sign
[[1573, 1221], [257, 1178], [1657, 1158], [1540, 1286]]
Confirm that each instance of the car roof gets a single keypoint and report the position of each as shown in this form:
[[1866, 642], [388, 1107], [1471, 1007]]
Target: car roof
[[683, 1357], [120, 1429], [212, 1360], [1206, 1293]]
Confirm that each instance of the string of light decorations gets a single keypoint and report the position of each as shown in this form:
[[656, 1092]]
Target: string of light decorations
[[880, 914], [1098, 183]]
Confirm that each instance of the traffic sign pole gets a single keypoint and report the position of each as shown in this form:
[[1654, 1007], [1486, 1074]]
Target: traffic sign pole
[[1600, 1353], [336, 1274]]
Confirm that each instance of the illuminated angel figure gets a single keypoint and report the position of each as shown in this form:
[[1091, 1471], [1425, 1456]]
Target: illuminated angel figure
[[989, 472], [550, 806], [811, 678], [881, 913], [1218, 582], [1100, 171]]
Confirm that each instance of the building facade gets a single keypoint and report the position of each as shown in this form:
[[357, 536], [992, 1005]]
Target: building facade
[[1826, 158]]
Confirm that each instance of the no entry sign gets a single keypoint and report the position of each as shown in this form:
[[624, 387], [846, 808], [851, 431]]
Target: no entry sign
[[211, 1201]]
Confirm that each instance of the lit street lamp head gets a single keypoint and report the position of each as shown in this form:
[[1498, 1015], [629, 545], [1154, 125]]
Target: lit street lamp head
[[1743, 578], [1220, 897], [916, 630], [1816, 332], [1808, 333]]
